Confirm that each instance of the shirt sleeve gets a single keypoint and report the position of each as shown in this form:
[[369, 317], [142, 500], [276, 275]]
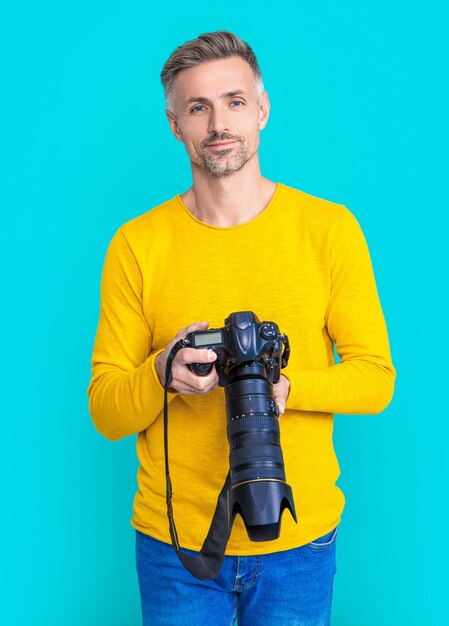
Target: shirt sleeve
[[363, 381], [125, 394]]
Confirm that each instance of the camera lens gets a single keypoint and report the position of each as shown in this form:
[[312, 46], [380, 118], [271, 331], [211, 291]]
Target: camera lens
[[259, 492]]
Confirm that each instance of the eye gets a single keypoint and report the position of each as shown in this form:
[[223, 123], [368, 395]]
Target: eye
[[237, 102], [195, 109]]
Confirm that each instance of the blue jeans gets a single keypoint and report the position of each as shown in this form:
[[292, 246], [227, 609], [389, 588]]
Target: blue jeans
[[290, 588]]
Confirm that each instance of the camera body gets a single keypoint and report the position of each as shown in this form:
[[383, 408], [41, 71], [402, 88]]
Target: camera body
[[250, 355], [242, 340]]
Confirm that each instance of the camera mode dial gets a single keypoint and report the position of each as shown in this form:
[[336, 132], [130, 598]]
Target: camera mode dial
[[267, 330]]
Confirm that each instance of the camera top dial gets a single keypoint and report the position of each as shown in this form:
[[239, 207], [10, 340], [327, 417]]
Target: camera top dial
[[268, 330]]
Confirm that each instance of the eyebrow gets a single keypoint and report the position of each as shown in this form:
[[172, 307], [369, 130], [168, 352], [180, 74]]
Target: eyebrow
[[228, 94]]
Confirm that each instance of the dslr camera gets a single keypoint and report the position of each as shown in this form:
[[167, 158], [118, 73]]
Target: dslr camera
[[250, 355]]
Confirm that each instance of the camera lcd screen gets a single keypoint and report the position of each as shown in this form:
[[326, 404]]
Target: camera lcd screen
[[207, 339]]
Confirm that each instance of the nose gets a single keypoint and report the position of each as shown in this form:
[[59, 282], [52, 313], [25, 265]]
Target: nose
[[218, 122]]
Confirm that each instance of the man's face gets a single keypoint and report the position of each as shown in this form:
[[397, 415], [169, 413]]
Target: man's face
[[218, 115]]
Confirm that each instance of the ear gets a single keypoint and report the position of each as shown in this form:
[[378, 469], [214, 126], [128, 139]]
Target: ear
[[174, 125], [264, 110]]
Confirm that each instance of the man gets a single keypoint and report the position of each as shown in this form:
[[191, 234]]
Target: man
[[235, 241]]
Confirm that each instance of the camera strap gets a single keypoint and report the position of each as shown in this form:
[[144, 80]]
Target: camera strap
[[207, 564]]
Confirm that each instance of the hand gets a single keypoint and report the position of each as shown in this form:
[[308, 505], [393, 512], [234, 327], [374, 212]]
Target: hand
[[183, 380], [281, 391]]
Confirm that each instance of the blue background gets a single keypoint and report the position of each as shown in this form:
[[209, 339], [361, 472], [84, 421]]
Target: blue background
[[359, 116]]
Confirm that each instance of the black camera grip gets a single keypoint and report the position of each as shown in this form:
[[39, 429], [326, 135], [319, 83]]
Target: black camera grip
[[200, 369]]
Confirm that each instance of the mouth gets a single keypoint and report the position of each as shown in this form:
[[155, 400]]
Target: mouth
[[220, 144]]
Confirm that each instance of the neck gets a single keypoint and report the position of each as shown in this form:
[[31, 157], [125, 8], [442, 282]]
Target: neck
[[231, 200]]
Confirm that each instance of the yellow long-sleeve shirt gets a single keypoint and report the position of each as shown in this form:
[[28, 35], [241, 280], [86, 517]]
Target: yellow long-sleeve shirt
[[302, 263]]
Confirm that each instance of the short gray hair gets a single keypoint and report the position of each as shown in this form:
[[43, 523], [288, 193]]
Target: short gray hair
[[207, 47]]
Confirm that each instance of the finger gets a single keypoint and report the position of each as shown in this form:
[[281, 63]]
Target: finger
[[191, 328], [192, 391], [195, 380], [279, 398], [205, 384], [187, 382], [193, 355], [281, 407]]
